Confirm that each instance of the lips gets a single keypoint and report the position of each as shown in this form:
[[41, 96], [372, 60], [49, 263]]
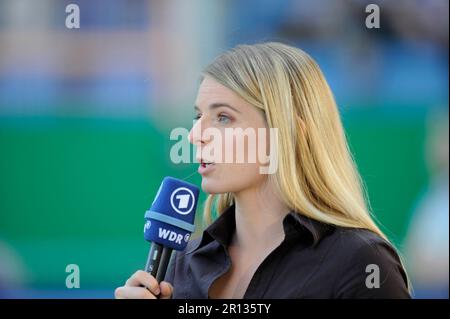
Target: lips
[[206, 164], [205, 167]]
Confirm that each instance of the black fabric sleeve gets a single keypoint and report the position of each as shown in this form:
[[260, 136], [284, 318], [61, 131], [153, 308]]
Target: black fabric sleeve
[[373, 270]]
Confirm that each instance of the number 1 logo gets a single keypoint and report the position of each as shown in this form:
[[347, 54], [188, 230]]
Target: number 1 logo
[[182, 200]]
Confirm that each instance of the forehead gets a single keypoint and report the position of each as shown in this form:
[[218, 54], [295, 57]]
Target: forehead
[[211, 91]]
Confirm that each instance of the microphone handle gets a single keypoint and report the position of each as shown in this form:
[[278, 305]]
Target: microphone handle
[[163, 263], [154, 256]]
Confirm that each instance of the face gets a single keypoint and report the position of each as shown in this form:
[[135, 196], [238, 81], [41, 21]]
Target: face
[[229, 160]]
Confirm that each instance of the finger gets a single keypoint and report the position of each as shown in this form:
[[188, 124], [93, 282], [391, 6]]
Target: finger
[[142, 278], [166, 290], [118, 293], [133, 293]]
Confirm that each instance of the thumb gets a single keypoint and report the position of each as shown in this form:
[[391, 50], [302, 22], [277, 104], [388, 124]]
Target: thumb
[[166, 290]]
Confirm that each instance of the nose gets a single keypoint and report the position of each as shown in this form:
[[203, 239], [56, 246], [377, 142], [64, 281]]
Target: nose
[[196, 135]]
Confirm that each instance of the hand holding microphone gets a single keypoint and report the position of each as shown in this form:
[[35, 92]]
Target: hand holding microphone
[[169, 224], [142, 285]]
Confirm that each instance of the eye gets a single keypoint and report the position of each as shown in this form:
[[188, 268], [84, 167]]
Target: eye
[[223, 119], [197, 116]]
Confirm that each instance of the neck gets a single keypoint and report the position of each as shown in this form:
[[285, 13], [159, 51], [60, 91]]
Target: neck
[[259, 218]]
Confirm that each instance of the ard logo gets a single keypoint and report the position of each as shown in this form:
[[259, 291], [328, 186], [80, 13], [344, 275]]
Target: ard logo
[[182, 200]]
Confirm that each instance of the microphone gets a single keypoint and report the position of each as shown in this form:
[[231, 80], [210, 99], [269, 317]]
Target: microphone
[[169, 223]]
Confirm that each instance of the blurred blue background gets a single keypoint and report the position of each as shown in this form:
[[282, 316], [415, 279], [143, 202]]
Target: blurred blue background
[[85, 117]]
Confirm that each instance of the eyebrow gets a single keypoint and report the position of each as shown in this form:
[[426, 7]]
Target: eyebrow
[[216, 105]]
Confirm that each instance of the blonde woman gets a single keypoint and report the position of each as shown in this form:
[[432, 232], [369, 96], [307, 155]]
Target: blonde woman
[[301, 231]]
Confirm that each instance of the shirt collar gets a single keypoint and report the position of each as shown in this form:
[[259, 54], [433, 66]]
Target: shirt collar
[[294, 224], [315, 229]]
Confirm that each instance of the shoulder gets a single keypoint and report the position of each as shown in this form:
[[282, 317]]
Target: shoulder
[[366, 265], [361, 244]]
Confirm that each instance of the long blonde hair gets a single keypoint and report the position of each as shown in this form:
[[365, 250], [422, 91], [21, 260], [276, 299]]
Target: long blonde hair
[[319, 179]]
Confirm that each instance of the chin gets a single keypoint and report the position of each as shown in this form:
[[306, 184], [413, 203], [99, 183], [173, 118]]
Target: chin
[[220, 186], [211, 186]]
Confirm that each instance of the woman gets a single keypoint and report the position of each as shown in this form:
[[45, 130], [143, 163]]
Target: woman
[[303, 231]]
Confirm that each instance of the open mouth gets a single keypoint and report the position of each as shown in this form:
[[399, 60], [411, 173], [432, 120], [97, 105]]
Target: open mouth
[[206, 164], [205, 167]]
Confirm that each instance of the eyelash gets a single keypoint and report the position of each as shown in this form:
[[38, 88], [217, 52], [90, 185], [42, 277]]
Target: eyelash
[[223, 116], [219, 118]]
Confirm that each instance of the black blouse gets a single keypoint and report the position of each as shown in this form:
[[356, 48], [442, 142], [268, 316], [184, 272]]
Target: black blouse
[[315, 260]]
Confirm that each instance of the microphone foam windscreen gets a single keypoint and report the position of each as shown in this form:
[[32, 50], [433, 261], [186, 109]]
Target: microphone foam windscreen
[[170, 219]]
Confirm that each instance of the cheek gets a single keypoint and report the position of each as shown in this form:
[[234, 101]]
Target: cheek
[[232, 178], [239, 168]]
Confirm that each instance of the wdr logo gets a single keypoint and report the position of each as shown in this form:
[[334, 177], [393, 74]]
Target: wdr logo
[[182, 200]]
